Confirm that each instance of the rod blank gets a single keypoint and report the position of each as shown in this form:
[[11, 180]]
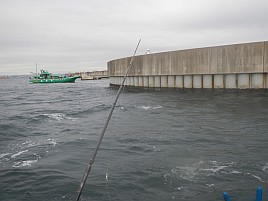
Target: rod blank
[[92, 160]]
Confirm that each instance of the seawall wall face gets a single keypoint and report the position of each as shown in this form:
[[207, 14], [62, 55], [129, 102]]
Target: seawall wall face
[[229, 66]]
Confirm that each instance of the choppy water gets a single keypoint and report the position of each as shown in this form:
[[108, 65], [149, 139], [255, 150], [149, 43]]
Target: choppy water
[[160, 145]]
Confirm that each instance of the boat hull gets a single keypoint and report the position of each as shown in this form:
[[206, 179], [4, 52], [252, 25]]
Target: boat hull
[[60, 80]]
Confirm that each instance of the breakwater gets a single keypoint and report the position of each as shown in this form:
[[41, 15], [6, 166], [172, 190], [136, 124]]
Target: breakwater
[[94, 75], [241, 66]]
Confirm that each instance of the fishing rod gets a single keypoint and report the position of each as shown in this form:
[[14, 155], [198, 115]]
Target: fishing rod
[[92, 160]]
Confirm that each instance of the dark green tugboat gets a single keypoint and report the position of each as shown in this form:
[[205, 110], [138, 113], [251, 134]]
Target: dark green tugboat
[[46, 77]]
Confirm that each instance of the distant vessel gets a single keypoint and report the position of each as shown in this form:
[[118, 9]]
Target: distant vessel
[[2, 77], [46, 77]]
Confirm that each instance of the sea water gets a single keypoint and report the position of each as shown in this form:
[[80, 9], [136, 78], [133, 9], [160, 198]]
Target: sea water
[[160, 144]]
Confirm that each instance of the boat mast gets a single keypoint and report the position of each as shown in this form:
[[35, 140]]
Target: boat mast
[[91, 161]]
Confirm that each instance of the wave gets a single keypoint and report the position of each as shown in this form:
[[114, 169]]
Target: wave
[[257, 177], [213, 171], [19, 153], [265, 167], [148, 107], [4, 157], [34, 143], [92, 110], [58, 117], [143, 148], [11, 131], [53, 117], [24, 163], [5, 154]]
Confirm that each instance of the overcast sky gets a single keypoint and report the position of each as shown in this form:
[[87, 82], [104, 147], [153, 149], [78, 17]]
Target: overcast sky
[[83, 35]]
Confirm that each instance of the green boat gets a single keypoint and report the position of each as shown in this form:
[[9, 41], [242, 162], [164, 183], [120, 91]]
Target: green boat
[[46, 77]]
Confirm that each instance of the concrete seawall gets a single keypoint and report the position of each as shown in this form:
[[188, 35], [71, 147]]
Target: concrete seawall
[[240, 66]]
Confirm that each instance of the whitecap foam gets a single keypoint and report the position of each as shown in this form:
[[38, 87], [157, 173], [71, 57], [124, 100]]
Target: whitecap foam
[[152, 147], [179, 188], [146, 107], [71, 118], [257, 177], [235, 172], [265, 167], [58, 117], [122, 108], [214, 166], [51, 142], [19, 153], [3, 155], [24, 163], [157, 107], [215, 169], [31, 143], [187, 173], [210, 185]]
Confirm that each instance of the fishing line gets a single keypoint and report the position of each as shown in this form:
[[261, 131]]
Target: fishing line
[[92, 160], [107, 185], [121, 99]]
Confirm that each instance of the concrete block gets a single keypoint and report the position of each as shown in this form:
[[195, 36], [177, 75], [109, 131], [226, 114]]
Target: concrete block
[[126, 81], [179, 81], [140, 81], [197, 81], [157, 82], [116, 81], [131, 81], [111, 80], [151, 81], [146, 81], [266, 81], [218, 82], [188, 81], [163, 80], [257, 81], [207, 81], [243, 81], [136, 81], [265, 57], [171, 81], [230, 81]]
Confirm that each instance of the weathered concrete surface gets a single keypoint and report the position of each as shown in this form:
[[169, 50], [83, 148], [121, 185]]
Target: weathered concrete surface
[[179, 81], [238, 58], [164, 81], [218, 81], [151, 81], [265, 59], [171, 81], [207, 81], [230, 66], [188, 81], [197, 81], [243, 81], [257, 81]]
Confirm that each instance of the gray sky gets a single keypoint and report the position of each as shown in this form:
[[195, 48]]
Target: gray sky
[[82, 35]]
